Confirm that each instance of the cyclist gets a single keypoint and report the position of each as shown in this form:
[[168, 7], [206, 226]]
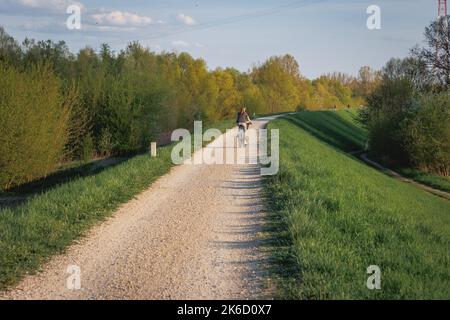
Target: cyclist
[[243, 120]]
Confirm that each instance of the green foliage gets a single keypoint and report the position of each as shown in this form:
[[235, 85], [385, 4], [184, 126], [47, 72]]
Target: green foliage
[[105, 143], [387, 107], [122, 101], [33, 123], [277, 80], [333, 216], [283, 89], [427, 134], [408, 123], [87, 148]]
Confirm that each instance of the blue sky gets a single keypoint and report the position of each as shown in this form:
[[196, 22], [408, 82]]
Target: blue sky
[[323, 35]]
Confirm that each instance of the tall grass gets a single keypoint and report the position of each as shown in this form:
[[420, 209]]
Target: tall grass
[[333, 216]]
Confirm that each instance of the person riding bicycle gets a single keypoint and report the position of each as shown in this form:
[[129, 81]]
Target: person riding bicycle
[[243, 119], [243, 122]]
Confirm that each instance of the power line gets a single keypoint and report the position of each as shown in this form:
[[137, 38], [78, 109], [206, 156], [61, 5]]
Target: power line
[[234, 19]]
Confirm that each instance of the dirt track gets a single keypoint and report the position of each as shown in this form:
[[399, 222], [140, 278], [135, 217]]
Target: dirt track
[[192, 235]]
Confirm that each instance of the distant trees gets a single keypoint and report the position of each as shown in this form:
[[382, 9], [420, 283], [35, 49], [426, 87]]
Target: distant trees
[[362, 85], [367, 81], [278, 78], [59, 106], [284, 89]]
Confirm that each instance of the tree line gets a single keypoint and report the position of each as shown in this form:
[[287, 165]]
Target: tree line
[[408, 113], [57, 106]]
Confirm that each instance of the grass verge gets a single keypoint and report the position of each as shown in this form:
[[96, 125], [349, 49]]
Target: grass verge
[[333, 216], [437, 182]]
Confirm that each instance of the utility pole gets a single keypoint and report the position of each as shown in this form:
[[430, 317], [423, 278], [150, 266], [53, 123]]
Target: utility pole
[[442, 20], [442, 9]]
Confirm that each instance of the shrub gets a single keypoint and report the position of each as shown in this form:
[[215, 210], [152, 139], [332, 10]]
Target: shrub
[[387, 107], [33, 124], [427, 134], [105, 145], [88, 148]]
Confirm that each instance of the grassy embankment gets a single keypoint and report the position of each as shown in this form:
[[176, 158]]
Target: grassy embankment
[[50, 221], [333, 216], [341, 129]]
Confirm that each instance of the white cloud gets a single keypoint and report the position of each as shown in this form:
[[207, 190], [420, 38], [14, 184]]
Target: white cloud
[[199, 45], [188, 20], [47, 5], [180, 43], [121, 19], [108, 28]]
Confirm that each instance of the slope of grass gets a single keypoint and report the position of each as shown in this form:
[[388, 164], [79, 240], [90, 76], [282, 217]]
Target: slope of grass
[[342, 130], [333, 216], [337, 128], [49, 222]]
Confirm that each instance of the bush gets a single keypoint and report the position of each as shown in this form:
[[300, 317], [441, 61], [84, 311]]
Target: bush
[[408, 127], [387, 107], [88, 148], [33, 124], [427, 134], [105, 145]]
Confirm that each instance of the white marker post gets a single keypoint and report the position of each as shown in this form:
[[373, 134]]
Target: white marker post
[[153, 149]]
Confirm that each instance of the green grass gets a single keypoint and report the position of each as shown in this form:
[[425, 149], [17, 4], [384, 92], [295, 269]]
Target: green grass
[[342, 130], [338, 128], [65, 173], [333, 216], [438, 182], [49, 222]]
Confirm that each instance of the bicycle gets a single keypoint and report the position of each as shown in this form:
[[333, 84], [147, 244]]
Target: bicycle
[[242, 127]]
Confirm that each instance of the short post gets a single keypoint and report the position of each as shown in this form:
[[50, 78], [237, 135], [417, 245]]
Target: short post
[[153, 149]]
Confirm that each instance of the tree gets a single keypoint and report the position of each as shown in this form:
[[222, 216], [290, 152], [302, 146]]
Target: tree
[[289, 65], [55, 54], [411, 68], [34, 119], [278, 78], [228, 98], [388, 106], [366, 82], [10, 50], [121, 101], [436, 54], [427, 134]]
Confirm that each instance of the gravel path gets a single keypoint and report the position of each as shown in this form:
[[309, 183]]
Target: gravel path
[[194, 234]]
